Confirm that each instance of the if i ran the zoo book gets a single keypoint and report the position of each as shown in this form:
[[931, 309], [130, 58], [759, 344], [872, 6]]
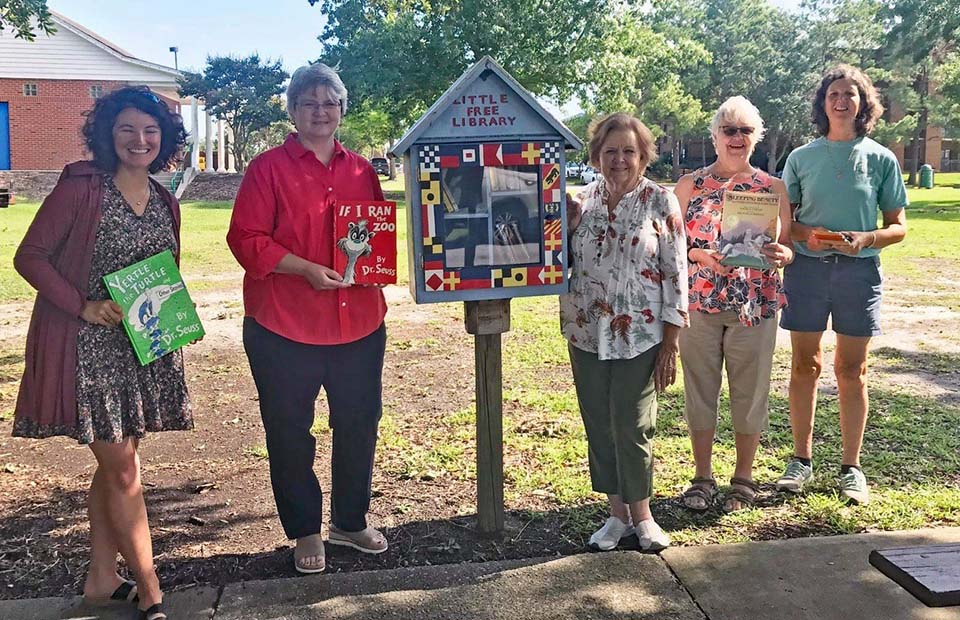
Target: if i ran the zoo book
[[365, 234]]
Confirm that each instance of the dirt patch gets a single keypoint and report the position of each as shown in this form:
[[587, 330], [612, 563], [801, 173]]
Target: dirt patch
[[212, 188], [208, 491]]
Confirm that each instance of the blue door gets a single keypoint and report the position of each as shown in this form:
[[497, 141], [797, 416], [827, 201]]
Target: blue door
[[4, 136]]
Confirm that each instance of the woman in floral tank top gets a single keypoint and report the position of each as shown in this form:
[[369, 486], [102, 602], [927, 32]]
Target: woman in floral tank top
[[733, 310]]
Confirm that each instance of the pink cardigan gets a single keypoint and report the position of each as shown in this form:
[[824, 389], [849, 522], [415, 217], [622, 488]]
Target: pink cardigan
[[54, 257]]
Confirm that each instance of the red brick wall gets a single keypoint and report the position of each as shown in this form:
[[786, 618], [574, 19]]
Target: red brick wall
[[45, 130]]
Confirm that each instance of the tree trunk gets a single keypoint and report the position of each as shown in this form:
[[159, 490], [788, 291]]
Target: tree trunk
[[390, 162], [773, 139], [919, 138]]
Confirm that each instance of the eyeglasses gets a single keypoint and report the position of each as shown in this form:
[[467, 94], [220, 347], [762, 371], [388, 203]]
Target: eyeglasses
[[150, 96], [314, 106], [730, 130]]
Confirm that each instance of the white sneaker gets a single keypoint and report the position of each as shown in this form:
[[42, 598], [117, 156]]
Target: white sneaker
[[651, 537], [608, 536]]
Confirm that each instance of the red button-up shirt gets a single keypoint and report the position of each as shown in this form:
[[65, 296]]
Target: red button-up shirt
[[285, 206]]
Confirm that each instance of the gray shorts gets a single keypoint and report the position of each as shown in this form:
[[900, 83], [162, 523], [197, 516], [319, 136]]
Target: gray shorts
[[845, 288]]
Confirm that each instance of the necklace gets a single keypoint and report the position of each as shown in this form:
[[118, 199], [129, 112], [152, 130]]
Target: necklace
[[838, 169]]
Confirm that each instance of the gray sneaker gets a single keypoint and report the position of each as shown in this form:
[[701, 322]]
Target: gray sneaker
[[853, 486], [795, 477]]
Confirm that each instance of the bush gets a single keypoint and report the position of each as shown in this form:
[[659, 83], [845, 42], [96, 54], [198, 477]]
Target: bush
[[661, 169]]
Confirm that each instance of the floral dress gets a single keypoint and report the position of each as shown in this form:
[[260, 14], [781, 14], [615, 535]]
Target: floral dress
[[629, 272], [755, 294], [116, 396]]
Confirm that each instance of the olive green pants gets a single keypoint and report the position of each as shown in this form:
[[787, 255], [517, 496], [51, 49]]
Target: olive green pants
[[618, 404]]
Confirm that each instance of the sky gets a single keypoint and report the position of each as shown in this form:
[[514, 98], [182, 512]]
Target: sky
[[278, 29], [283, 30]]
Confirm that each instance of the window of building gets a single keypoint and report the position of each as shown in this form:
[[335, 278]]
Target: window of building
[[96, 91], [29, 90]]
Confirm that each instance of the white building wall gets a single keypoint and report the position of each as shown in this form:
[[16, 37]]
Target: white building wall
[[68, 56]]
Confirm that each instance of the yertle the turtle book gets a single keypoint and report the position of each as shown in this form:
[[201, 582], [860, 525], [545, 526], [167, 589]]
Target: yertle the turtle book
[[158, 314]]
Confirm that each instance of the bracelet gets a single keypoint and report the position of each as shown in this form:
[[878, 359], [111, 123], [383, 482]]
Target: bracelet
[[874, 240]]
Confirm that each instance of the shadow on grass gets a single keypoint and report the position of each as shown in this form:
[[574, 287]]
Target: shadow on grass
[[941, 369], [219, 204]]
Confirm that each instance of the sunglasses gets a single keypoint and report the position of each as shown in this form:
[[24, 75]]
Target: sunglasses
[[730, 130], [150, 96]]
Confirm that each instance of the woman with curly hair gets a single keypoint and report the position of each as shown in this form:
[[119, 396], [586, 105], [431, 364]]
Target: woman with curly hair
[[622, 317], [838, 185], [81, 377]]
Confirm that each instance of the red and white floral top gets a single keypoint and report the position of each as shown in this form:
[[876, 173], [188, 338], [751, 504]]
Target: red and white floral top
[[756, 294]]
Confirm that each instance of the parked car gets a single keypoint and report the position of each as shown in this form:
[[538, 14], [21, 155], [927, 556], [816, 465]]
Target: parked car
[[381, 165], [589, 174], [573, 170]]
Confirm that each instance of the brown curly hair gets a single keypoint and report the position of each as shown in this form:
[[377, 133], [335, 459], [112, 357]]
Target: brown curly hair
[[870, 107]]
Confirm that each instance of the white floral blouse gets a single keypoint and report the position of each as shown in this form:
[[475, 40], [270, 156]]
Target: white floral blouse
[[629, 272]]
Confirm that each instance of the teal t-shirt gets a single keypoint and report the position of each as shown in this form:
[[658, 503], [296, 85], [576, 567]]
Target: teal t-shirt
[[842, 186]]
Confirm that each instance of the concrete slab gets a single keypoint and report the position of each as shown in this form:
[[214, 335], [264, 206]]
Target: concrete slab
[[823, 578], [617, 585], [191, 604]]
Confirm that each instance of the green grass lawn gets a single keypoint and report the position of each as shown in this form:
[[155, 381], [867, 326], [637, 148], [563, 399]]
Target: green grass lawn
[[912, 452]]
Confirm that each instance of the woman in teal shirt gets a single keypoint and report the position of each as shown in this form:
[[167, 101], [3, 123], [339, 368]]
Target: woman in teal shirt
[[838, 185]]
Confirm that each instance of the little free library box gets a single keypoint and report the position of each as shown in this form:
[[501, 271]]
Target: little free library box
[[486, 222], [486, 192]]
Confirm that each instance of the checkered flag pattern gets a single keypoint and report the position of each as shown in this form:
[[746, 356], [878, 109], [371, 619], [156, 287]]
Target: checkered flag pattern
[[550, 153], [430, 158]]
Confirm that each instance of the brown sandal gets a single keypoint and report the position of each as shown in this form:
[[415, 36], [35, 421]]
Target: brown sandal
[[700, 490], [742, 490]]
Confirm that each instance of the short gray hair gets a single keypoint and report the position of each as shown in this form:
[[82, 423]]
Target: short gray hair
[[738, 109], [309, 77]]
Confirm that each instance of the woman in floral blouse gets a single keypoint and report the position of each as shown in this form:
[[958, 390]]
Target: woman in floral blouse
[[622, 318], [733, 310]]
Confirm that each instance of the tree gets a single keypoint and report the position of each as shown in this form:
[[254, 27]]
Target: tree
[[947, 76], [244, 92], [637, 71], [921, 35], [18, 15], [399, 56], [366, 130]]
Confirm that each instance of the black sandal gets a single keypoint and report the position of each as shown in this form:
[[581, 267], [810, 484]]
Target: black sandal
[[704, 489], [742, 490], [154, 612], [126, 592]]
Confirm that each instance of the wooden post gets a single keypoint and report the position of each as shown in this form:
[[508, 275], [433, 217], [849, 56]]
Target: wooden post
[[486, 320]]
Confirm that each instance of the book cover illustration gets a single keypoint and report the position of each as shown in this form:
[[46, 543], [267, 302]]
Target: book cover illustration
[[158, 314], [749, 221], [366, 238]]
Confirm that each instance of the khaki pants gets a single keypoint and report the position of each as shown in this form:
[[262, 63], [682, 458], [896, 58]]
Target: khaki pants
[[618, 404], [713, 340]]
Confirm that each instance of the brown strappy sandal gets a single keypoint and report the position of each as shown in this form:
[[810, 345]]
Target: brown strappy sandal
[[743, 491], [700, 490]]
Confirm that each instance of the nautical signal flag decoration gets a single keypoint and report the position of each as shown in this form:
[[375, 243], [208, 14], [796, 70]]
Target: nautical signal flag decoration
[[485, 183]]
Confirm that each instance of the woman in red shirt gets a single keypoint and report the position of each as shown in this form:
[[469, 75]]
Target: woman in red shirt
[[304, 328]]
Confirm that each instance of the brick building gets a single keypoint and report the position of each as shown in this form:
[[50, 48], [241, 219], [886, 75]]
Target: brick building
[[46, 86]]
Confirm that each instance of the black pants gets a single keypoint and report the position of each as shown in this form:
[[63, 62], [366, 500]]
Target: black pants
[[289, 376]]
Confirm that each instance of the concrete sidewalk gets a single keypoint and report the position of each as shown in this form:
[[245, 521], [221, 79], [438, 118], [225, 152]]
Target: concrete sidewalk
[[813, 578]]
